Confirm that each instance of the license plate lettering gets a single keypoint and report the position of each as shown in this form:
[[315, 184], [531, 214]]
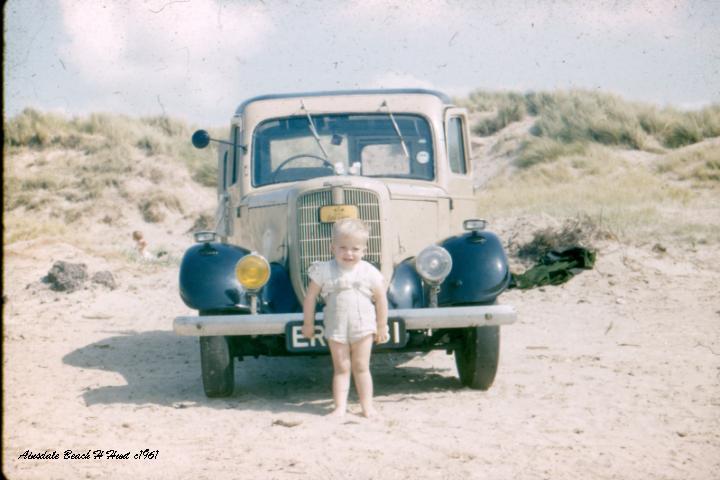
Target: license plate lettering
[[299, 341], [295, 341]]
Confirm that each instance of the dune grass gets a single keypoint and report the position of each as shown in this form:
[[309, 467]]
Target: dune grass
[[572, 117], [578, 117], [111, 137], [27, 228], [576, 161], [59, 171], [545, 150], [627, 200], [153, 208], [506, 108], [700, 165]]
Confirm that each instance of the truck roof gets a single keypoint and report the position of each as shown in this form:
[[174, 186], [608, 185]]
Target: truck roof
[[327, 93]]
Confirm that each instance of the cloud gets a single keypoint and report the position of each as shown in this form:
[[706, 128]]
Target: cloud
[[418, 14], [603, 17], [404, 80], [181, 48], [399, 80], [647, 14]]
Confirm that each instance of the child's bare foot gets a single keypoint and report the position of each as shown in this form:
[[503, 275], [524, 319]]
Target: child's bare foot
[[337, 413], [369, 412]]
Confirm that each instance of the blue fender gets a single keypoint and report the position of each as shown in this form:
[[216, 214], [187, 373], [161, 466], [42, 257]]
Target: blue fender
[[207, 277], [208, 282], [278, 296], [480, 270], [406, 288]]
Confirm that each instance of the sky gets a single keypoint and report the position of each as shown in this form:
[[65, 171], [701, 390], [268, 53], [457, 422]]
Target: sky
[[198, 59]]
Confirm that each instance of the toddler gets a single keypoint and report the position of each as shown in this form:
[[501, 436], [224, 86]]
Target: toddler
[[141, 245], [355, 312]]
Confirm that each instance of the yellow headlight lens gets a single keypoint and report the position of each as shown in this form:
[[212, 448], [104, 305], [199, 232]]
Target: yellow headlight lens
[[252, 271]]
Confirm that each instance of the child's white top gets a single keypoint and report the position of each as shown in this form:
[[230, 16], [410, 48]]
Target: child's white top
[[348, 294]]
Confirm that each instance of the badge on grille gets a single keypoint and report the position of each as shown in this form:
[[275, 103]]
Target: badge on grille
[[333, 213]]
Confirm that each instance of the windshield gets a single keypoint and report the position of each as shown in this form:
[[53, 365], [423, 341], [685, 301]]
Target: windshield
[[371, 145]]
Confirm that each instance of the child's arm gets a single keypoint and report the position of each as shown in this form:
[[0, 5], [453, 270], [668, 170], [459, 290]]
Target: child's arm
[[313, 290], [381, 314]]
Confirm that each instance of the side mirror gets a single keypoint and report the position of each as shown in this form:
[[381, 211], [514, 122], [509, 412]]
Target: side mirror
[[201, 139]]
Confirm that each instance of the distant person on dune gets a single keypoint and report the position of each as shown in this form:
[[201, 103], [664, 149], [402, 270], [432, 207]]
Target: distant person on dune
[[141, 245]]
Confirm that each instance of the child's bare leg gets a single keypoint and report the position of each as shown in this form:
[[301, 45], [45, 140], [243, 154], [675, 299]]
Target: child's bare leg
[[361, 351], [340, 353]]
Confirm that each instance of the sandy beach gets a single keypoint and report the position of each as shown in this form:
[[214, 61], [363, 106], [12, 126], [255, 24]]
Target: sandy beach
[[611, 375]]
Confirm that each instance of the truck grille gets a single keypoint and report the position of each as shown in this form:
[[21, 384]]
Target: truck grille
[[315, 237]]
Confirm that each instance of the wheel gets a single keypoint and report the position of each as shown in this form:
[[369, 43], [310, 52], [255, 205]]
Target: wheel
[[218, 369], [477, 356], [287, 161]]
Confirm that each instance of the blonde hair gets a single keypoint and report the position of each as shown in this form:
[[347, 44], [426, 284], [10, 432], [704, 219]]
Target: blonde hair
[[351, 227]]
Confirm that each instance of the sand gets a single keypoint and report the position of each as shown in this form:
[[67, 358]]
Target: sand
[[614, 374]]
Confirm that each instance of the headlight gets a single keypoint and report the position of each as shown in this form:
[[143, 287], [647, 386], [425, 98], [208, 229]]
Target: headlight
[[252, 271], [474, 224], [433, 264], [204, 237]]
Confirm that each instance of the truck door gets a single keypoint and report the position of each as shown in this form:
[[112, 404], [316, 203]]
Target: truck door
[[460, 181]]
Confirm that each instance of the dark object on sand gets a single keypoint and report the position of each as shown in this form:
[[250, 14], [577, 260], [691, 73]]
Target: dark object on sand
[[555, 268], [104, 278], [66, 277]]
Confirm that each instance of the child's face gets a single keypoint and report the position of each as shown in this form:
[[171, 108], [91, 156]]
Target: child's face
[[348, 250]]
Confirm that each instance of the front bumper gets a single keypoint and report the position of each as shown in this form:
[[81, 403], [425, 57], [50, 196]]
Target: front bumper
[[415, 319]]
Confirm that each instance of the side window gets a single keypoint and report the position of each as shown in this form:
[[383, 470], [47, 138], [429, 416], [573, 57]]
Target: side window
[[235, 157], [456, 149], [223, 171]]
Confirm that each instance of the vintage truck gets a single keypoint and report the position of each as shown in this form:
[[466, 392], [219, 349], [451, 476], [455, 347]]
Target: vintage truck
[[293, 164]]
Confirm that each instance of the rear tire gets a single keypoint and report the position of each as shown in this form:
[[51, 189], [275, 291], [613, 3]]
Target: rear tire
[[477, 356], [218, 367]]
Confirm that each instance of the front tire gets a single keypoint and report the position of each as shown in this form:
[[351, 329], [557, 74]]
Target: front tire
[[477, 356], [218, 367]]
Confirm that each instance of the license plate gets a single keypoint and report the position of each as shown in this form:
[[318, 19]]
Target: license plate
[[333, 213], [296, 342]]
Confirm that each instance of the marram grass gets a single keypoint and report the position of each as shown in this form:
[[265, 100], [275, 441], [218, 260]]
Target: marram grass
[[629, 200], [577, 116]]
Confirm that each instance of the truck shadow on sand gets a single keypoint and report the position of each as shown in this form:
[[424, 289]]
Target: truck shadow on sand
[[162, 368]]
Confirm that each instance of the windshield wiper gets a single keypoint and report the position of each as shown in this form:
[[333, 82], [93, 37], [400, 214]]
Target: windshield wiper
[[313, 130], [397, 129]]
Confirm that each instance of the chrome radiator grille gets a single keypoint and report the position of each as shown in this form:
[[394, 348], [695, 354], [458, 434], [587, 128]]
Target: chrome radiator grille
[[314, 237]]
